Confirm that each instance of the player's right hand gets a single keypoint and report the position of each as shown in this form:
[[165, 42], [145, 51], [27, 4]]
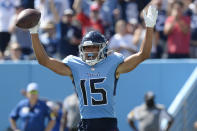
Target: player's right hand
[[151, 16], [34, 30]]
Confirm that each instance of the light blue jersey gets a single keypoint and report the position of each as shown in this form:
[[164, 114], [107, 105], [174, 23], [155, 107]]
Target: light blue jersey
[[95, 85]]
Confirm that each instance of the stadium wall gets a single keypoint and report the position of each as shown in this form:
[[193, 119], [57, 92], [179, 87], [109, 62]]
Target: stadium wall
[[164, 77]]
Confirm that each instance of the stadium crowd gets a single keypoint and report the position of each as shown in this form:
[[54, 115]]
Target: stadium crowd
[[64, 22]]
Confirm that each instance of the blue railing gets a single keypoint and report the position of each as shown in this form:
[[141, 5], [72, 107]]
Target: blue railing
[[183, 108]]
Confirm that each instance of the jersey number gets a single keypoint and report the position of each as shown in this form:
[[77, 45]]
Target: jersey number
[[95, 91]]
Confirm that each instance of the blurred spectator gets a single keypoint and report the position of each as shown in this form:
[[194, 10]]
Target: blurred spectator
[[132, 26], [107, 16], [150, 116], [186, 4], [138, 37], [188, 9], [57, 112], [15, 52], [142, 3], [70, 35], [52, 11], [71, 115], [128, 9], [160, 38], [122, 41], [177, 27], [48, 38], [193, 42], [105, 13], [19, 35], [86, 5], [91, 22], [101, 15], [169, 6], [48, 10], [27, 4], [32, 112], [60, 6], [69, 4], [7, 10], [195, 126], [55, 107]]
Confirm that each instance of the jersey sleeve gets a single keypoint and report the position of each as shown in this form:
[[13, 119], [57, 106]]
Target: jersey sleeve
[[15, 112], [69, 61], [73, 63], [119, 58]]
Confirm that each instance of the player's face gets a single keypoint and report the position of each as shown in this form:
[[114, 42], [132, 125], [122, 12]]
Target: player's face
[[91, 52], [177, 10], [33, 95]]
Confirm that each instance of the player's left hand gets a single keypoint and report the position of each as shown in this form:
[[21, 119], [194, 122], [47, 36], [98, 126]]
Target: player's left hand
[[151, 16]]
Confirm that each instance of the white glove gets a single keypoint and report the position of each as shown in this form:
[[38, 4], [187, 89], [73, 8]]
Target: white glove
[[34, 30], [151, 16]]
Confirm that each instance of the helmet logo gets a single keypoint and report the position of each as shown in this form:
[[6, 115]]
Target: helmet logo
[[87, 43]]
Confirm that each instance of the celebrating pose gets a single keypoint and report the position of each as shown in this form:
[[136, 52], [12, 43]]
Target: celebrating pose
[[95, 73]]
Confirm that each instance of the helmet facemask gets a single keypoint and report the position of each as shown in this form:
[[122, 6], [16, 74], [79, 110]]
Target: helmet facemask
[[93, 57]]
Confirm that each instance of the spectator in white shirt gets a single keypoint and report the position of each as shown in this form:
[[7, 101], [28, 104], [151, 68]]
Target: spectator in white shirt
[[122, 41], [7, 10]]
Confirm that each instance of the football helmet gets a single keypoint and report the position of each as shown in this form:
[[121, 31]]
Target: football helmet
[[93, 38]]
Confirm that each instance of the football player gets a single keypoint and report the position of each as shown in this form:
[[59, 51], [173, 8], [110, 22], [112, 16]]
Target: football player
[[95, 73]]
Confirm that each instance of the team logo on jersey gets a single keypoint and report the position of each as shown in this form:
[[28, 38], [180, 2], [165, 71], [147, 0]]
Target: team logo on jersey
[[25, 110]]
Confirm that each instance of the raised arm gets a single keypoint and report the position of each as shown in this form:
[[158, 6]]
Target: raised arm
[[43, 59], [54, 11], [132, 61], [77, 5], [168, 27]]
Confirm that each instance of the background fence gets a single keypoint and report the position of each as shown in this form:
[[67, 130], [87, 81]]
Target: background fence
[[183, 108]]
